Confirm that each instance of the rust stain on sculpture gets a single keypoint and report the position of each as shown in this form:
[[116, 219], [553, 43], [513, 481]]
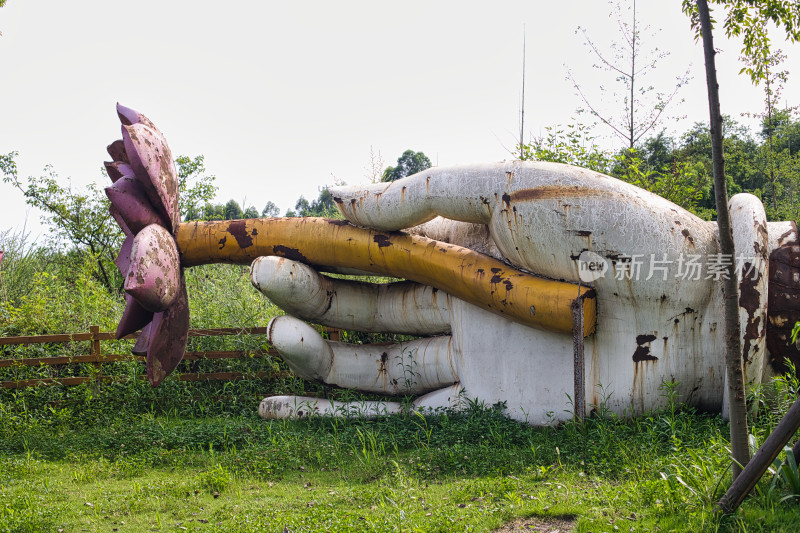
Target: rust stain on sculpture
[[749, 300], [790, 236], [558, 192], [290, 253], [783, 305], [642, 352], [382, 240], [238, 229]]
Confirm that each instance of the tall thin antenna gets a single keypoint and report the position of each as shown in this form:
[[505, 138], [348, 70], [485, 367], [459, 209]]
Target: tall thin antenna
[[522, 104]]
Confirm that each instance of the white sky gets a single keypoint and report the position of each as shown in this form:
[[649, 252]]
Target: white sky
[[284, 97]]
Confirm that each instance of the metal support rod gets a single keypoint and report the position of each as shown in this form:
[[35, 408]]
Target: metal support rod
[[763, 458], [579, 398]]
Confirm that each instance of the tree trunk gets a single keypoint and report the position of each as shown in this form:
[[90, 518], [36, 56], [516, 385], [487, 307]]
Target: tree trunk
[[737, 408]]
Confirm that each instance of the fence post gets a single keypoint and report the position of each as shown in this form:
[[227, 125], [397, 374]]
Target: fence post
[[95, 349]]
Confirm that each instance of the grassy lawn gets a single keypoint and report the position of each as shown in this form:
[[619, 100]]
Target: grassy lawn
[[470, 471]]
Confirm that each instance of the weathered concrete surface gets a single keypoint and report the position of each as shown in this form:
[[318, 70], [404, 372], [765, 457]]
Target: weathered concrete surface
[[751, 242], [662, 323]]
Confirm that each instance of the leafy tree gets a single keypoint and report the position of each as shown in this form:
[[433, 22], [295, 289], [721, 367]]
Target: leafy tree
[[787, 130], [739, 148], [79, 219], [270, 210], [629, 64], [232, 210], [194, 185], [300, 207], [683, 183], [210, 211], [776, 165], [748, 20], [323, 206], [571, 145], [409, 163], [76, 218]]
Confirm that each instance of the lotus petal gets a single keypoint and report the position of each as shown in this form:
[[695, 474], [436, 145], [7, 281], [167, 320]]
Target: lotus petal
[[120, 221], [144, 202], [143, 342], [128, 116], [134, 318], [154, 274], [151, 160], [123, 260], [117, 170], [117, 151], [132, 204], [168, 334]]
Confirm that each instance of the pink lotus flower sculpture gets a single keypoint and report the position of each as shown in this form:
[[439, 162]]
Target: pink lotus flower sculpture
[[145, 203]]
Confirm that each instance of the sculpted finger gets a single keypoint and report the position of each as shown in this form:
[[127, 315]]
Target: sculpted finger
[[287, 407], [455, 192], [467, 234], [292, 407], [415, 367], [402, 307]]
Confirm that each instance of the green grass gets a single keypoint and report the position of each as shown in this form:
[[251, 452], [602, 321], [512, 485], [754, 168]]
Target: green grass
[[194, 456], [470, 471]]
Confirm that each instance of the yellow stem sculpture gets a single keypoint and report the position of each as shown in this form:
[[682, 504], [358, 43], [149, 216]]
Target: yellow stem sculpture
[[461, 272]]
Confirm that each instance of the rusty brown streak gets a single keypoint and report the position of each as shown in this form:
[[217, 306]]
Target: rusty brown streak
[[558, 192]]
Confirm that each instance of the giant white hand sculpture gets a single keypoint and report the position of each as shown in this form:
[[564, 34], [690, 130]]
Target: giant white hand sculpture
[[528, 259], [659, 299]]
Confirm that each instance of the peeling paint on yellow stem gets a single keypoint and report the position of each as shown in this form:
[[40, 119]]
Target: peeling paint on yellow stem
[[461, 272]]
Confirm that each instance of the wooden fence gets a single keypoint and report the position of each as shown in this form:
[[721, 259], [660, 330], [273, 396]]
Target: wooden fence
[[97, 357]]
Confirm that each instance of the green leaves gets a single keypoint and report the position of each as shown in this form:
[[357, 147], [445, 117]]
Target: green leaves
[[194, 185], [77, 218], [681, 182], [572, 145], [409, 163], [750, 20]]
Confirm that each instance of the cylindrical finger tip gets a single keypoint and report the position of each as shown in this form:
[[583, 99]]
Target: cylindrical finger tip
[[301, 347]]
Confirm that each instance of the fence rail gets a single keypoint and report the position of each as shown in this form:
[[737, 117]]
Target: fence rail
[[97, 357]]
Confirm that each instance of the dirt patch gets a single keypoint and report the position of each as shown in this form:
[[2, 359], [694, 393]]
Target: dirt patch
[[539, 524]]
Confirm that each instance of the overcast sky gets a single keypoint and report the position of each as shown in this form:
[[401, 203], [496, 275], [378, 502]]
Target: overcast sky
[[283, 98]]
